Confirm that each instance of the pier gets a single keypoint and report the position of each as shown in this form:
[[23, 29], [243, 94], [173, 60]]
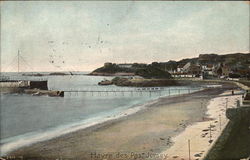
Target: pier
[[145, 91]]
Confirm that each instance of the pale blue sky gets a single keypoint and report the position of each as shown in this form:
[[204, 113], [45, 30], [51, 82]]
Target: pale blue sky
[[87, 34]]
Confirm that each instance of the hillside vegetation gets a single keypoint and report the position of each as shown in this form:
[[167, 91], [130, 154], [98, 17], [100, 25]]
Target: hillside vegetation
[[240, 62], [145, 71]]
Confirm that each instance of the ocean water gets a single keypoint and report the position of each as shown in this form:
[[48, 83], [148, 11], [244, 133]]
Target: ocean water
[[26, 119]]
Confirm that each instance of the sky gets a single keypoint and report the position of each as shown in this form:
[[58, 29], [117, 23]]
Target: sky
[[82, 35]]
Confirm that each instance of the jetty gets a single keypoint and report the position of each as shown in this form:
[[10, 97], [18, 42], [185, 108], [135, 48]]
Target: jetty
[[35, 86], [132, 92], [20, 83]]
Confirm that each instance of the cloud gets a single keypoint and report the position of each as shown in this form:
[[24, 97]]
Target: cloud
[[87, 34]]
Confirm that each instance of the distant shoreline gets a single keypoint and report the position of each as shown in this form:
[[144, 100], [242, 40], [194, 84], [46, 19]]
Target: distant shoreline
[[111, 74], [52, 74]]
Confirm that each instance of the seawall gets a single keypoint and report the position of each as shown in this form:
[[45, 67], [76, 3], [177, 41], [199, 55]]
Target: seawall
[[36, 88], [234, 142], [13, 86]]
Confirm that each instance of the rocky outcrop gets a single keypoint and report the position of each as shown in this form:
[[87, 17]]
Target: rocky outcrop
[[38, 92], [143, 82], [112, 74], [58, 74], [105, 82]]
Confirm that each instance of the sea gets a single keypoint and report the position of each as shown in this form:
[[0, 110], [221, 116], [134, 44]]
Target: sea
[[27, 119]]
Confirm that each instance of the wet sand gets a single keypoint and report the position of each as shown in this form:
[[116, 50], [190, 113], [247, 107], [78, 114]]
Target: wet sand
[[144, 135]]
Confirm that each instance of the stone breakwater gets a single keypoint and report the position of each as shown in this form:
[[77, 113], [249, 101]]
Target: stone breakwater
[[36, 88], [111, 74], [145, 82], [139, 82]]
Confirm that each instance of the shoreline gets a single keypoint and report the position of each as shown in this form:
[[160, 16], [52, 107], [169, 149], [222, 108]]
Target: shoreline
[[37, 149], [75, 127], [37, 137], [200, 138], [111, 74]]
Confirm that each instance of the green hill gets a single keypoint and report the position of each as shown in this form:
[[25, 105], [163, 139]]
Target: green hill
[[145, 71]]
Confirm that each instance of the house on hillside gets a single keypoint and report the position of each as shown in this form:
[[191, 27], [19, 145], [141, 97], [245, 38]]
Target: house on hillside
[[107, 64], [187, 66], [194, 70], [187, 70], [225, 70], [208, 69], [180, 68], [125, 65]]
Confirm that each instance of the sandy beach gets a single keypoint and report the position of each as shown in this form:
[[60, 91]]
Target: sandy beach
[[198, 134], [148, 134]]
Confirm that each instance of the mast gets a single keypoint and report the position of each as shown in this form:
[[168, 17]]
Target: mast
[[18, 58]]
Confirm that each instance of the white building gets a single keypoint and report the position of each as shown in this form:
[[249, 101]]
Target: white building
[[125, 65]]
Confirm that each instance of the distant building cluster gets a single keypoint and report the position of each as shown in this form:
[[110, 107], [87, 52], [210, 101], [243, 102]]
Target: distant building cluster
[[209, 66], [187, 70], [206, 66], [124, 65]]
